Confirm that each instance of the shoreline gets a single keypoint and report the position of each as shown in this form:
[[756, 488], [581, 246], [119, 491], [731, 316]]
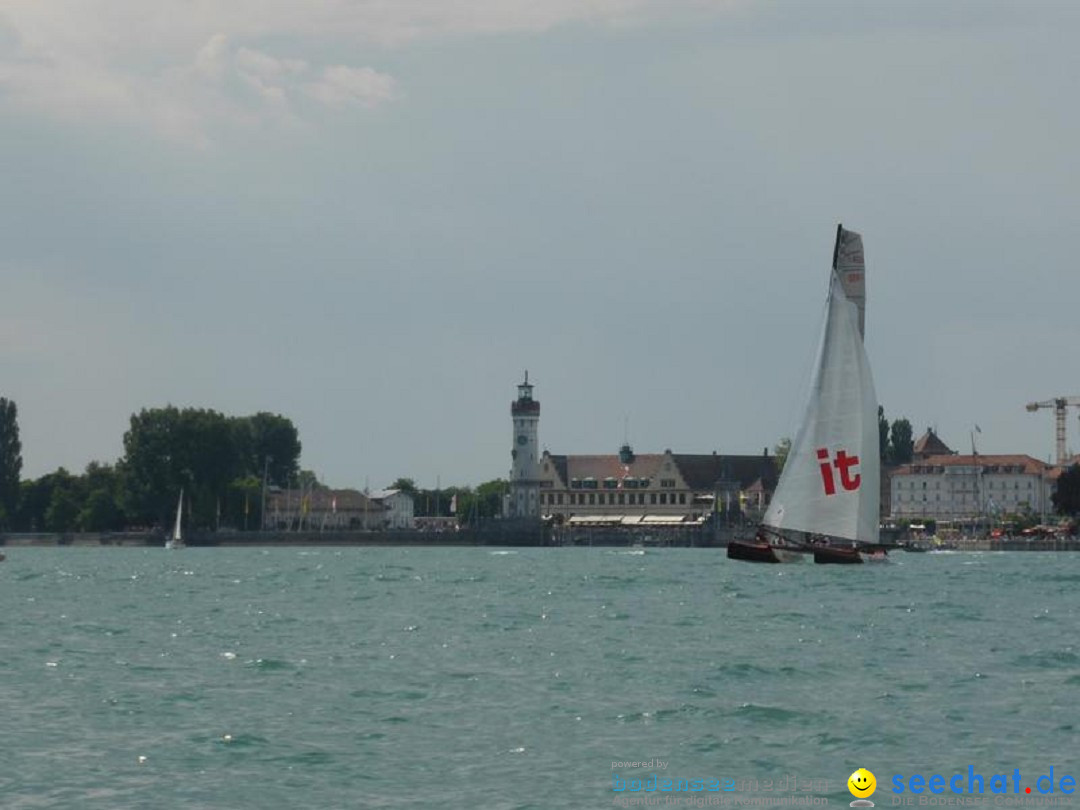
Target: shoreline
[[516, 536]]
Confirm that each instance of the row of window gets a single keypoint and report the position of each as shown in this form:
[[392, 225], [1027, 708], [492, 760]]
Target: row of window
[[989, 484], [990, 468], [613, 498], [617, 483], [963, 499], [609, 483]]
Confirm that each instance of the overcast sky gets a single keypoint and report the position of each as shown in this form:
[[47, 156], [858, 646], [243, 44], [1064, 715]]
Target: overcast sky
[[372, 217]]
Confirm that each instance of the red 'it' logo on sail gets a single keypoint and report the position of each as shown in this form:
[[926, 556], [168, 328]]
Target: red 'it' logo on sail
[[843, 462]]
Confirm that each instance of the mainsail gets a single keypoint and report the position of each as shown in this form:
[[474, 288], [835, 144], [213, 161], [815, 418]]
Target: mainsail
[[830, 484], [850, 265], [177, 535]]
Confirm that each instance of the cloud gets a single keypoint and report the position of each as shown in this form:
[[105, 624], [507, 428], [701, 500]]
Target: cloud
[[186, 68], [341, 85]]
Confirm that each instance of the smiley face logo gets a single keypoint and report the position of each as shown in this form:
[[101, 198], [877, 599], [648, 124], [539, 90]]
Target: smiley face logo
[[862, 783]]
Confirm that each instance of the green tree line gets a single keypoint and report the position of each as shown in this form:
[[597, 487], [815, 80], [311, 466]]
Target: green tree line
[[219, 461], [467, 504]]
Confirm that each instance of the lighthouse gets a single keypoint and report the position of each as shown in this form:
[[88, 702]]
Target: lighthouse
[[524, 501]]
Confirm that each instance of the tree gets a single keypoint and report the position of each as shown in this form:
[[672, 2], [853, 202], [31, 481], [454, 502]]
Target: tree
[[490, 495], [406, 485], [901, 443], [10, 460], [1067, 497], [203, 452], [268, 442], [34, 500], [783, 447], [308, 481], [99, 491], [62, 513], [884, 451], [99, 512]]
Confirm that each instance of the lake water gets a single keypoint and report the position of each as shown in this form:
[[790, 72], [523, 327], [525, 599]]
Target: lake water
[[482, 678]]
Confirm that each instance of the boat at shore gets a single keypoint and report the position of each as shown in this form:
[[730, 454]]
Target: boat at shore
[[177, 539], [827, 500]]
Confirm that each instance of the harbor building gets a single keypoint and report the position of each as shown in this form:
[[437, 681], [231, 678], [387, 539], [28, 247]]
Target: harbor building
[[321, 509], [625, 488], [398, 508], [655, 489], [944, 485]]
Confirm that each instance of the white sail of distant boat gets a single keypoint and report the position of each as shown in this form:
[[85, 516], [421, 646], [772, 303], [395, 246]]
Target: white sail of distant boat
[[828, 494], [177, 539]]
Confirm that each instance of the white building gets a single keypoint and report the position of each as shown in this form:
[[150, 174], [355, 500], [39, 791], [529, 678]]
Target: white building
[[666, 488], [321, 510], [397, 508], [973, 487]]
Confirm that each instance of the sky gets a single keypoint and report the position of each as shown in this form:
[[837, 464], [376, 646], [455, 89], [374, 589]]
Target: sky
[[372, 217]]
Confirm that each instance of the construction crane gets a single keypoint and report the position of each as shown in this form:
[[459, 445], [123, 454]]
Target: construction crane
[[1059, 404]]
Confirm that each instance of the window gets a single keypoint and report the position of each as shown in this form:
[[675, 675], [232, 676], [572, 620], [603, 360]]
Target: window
[[592, 497], [652, 497], [663, 497], [622, 498], [667, 483], [682, 497]]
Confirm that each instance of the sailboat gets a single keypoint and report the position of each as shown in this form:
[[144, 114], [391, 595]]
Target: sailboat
[[827, 499], [177, 539]]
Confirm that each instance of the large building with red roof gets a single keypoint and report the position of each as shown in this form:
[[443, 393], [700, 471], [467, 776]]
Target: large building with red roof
[[661, 489], [943, 485]]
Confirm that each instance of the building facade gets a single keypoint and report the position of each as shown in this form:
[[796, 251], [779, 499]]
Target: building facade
[[972, 488], [659, 488], [398, 508], [322, 510]]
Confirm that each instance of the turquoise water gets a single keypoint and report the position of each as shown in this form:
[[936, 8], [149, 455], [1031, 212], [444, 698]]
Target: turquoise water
[[477, 678]]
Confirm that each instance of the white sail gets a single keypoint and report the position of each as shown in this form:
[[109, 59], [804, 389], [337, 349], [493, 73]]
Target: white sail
[[850, 265], [830, 484], [177, 538]]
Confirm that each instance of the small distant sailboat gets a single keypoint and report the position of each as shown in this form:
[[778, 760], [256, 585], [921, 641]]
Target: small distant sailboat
[[827, 499], [177, 539]]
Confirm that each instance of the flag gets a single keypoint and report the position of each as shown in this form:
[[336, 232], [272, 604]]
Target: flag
[[453, 504], [978, 429], [333, 504]]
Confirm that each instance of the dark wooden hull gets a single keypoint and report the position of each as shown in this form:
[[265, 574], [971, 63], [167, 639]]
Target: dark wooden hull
[[751, 552], [837, 555]]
